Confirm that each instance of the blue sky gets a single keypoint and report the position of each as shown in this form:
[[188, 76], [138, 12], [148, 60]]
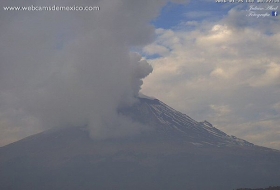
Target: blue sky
[[173, 14]]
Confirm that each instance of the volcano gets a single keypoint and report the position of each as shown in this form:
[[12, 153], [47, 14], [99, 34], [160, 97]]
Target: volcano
[[177, 153]]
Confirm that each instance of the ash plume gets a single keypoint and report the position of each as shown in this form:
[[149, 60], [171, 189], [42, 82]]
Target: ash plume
[[72, 68]]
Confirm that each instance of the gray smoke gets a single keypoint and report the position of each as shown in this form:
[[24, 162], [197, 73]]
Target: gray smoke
[[73, 68]]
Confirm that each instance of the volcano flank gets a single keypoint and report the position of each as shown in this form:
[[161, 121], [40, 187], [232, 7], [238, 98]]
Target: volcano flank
[[176, 152]]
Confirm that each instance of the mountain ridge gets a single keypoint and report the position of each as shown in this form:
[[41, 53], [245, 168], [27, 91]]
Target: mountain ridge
[[179, 153], [170, 119]]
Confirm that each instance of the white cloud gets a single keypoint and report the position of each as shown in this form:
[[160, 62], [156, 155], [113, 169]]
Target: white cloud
[[155, 49], [271, 76], [225, 71], [221, 110]]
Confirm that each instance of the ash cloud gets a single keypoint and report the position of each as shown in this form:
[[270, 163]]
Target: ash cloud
[[72, 68]]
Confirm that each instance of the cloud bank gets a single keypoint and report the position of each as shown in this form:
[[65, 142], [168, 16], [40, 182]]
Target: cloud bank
[[226, 71], [65, 68]]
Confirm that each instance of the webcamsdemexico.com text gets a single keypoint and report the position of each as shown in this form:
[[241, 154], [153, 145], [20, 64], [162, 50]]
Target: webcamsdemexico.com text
[[52, 8]]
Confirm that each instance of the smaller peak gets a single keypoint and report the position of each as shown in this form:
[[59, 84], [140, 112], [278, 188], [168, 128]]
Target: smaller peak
[[148, 99], [207, 123]]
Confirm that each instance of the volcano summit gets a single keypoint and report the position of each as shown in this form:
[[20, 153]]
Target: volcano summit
[[176, 152]]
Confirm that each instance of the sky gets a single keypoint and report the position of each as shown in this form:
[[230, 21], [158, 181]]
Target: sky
[[213, 61], [220, 62]]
